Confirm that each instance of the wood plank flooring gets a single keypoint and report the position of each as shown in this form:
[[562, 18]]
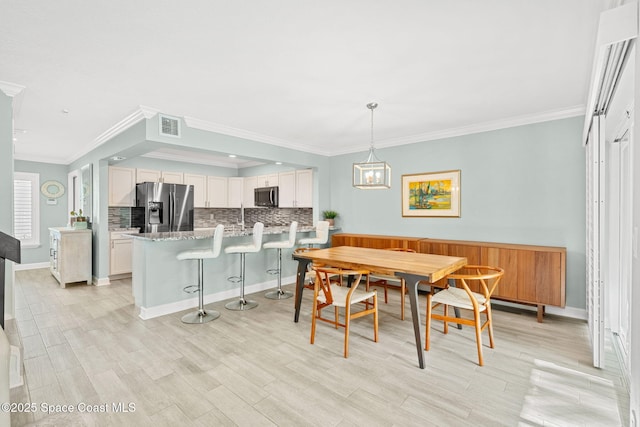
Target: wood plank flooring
[[86, 345]]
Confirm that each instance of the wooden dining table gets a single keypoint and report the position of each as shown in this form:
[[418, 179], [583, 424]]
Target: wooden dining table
[[412, 267]]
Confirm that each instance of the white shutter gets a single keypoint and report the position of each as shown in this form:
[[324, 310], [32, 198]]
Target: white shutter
[[617, 29], [26, 220], [595, 168]]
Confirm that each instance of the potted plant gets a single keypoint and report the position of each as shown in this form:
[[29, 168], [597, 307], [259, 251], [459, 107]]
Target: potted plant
[[330, 216], [78, 221]]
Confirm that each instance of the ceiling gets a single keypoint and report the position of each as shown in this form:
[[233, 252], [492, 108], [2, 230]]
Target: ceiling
[[295, 73]]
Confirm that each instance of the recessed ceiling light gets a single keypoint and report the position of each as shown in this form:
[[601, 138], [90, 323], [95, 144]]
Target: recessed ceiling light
[[65, 111], [232, 156], [278, 163], [118, 158]]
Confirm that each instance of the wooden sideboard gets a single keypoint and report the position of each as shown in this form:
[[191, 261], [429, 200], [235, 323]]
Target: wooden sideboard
[[534, 275]]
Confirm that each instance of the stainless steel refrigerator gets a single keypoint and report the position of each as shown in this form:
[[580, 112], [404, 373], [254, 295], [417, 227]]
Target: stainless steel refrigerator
[[167, 207]]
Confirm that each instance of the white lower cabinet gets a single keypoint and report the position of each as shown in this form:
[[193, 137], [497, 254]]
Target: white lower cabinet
[[120, 254], [70, 255], [120, 261]]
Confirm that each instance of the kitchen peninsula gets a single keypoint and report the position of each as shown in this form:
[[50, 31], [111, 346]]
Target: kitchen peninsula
[[158, 278]]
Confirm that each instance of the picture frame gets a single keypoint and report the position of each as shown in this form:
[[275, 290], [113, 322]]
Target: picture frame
[[431, 194]]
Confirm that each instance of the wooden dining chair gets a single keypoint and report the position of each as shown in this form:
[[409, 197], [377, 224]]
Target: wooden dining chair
[[328, 291], [390, 282], [486, 279], [310, 275]]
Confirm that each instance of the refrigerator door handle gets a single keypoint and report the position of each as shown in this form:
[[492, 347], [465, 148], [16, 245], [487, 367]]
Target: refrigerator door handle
[[171, 210]]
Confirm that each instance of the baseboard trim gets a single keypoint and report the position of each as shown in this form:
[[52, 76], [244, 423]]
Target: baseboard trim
[[120, 276], [32, 266], [16, 378], [100, 281], [186, 304]]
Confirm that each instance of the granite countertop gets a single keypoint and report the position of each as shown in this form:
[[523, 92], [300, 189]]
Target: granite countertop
[[229, 231]]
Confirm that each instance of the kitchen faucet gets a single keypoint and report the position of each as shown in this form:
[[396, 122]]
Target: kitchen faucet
[[241, 222]]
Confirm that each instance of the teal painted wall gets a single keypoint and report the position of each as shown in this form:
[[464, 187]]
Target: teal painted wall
[[519, 185], [522, 185], [122, 142], [50, 215], [6, 190], [6, 163]]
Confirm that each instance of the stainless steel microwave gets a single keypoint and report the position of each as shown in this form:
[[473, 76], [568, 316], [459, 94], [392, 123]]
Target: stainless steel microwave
[[266, 197]]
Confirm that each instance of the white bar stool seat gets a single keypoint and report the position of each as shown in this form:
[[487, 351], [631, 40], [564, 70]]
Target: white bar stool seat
[[242, 303], [202, 316], [283, 244], [322, 235]]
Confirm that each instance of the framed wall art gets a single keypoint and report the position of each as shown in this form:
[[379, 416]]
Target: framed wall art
[[431, 194]]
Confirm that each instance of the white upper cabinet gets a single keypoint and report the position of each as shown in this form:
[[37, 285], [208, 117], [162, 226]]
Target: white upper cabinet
[[267, 180], [287, 190], [250, 184], [235, 192], [151, 175], [172, 177], [199, 183], [217, 191], [147, 175], [122, 186], [304, 188], [296, 189]]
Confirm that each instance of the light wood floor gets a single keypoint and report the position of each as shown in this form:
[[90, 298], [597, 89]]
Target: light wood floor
[[85, 344]]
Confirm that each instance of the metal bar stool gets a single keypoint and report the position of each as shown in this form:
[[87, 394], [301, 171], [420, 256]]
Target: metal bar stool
[[322, 235], [202, 316], [242, 303], [284, 244]]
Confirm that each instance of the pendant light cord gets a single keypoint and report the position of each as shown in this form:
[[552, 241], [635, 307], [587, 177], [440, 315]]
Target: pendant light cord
[[371, 106], [372, 128]]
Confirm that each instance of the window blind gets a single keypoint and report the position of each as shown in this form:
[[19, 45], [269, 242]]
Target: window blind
[[26, 220], [23, 218]]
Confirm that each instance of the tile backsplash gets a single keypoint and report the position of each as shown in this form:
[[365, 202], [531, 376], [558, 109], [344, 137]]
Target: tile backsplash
[[268, 216], [125, 217], [210, 217]]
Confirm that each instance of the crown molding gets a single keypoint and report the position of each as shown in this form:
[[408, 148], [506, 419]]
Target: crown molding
[[11, 89], [136, 116], [578, 110], [40, 159], [245, 134], [133, 118], [143, 112]]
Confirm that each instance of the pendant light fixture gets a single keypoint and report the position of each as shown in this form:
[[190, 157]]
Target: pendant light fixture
[[372, 174]]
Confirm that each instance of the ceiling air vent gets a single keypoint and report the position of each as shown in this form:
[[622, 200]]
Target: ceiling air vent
[[169, 126]]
